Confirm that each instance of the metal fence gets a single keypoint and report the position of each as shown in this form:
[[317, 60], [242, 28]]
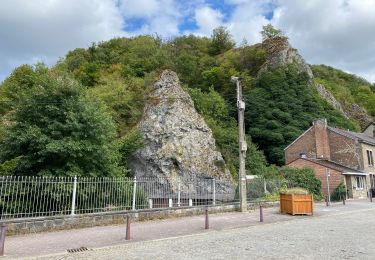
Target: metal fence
[[25, 197]]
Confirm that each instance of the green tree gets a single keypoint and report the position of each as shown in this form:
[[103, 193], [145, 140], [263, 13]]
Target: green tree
[[303, 178], [270, 32], [221, 41], [56, 130]]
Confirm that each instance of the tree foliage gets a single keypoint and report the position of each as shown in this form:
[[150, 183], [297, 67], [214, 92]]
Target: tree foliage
[[282, 106], [303, 178], [56, 130], [101, 93], [346, 88], [221, 41], [269, 32]]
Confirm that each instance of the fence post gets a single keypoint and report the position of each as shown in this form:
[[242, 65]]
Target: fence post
[[170, 203], [179, 193], [127, 236], [213, 191], [150, 203], [73, 208], [370, 194], [265, 185], [134, 191], [2, 238], [190, 202], [206, 223]]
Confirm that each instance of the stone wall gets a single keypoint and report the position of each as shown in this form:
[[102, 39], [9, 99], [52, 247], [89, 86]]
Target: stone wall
[[46, 224], [344, 150]]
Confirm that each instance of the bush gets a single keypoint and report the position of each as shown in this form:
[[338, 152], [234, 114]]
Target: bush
[[303, 178], [296, 191], [339, 192]]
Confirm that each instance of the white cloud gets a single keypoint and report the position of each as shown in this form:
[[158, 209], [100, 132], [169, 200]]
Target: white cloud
[[159, 16], [41, 30], [339, 33], [208, 19]]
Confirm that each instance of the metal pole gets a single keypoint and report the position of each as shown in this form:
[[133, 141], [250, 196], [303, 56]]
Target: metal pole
[[242, 146], [370, 194], [328, 191], [213, 192], [127, 237], [206, 224], [260, 213], [2, 238], [73, 208], [179, 193], [134, 191]]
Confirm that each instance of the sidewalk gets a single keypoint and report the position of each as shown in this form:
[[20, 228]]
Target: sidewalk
[[61, 241]]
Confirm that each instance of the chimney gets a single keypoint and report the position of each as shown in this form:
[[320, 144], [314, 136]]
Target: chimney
[[321, 139]]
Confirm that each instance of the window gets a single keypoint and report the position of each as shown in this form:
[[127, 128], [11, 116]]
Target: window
[[370, 159], [359, 182]]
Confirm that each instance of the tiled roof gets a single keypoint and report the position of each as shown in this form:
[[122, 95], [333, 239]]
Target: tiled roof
[[353, 135], [333, 165]]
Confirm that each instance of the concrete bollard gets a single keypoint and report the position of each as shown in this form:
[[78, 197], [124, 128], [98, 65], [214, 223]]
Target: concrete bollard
[[128, 219], [260, 213], [206, 224], [370, 195], [343, 200], [3, 230]]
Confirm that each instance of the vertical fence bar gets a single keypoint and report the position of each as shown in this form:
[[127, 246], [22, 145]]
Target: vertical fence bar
[[213, 191], [2, 238], [72, 212], [134, 191]]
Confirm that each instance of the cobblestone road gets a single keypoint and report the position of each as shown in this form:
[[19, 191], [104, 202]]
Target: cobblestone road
[[343, 233]]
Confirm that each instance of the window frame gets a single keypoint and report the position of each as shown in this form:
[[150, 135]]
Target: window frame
[[370, 158], [359, 180]]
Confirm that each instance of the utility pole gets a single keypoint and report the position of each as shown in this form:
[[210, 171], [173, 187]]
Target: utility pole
[[242, 145]]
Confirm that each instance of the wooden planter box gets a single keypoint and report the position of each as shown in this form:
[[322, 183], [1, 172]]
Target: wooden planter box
[[297, 204]]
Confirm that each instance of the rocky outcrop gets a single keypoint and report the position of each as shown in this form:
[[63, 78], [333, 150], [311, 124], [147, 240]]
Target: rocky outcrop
[[280, 52], [359, 114], [324, 93], [177, 141]]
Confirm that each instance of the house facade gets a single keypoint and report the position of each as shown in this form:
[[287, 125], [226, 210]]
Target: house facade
[[345, 156]]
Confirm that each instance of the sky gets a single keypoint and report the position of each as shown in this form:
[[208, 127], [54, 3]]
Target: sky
[[338, 33]]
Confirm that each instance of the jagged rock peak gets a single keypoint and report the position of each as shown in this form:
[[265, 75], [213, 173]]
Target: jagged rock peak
[[280, 52], [177, 141]]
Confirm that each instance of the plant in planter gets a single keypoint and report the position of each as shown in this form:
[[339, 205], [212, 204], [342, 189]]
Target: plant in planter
[[296, 201]]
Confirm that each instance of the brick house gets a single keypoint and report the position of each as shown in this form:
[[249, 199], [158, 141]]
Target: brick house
[[347, 157]]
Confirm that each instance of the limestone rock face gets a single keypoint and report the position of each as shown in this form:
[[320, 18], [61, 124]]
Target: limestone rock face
[[324, 93], [177, 141], [280, 52]]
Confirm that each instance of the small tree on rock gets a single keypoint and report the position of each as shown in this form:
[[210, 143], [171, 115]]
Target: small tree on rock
[[270, 32], [221, 41]]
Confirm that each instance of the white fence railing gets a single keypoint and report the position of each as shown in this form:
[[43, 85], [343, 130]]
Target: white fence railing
[[26, 197]]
